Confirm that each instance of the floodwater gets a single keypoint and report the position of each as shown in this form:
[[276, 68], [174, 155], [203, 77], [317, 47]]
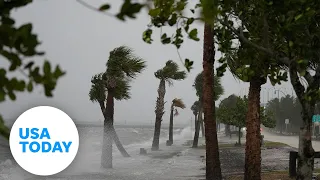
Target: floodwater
[[169, 163]]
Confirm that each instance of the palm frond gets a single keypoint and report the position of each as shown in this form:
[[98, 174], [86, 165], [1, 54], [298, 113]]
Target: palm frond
[[170, 82], [176, 113], [122, 62], [178, 103], [180, 75], [198, 85], [159, 74], [195, 107], [170, 72], [122, 89], [122, 67], [98, 90]]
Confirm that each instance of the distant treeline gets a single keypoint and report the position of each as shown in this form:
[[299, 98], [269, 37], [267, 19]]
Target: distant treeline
[[288, 107]]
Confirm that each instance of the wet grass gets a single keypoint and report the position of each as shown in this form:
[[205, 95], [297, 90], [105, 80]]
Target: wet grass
[[267, 144], [271, 144], [281, 175], [277, 175]]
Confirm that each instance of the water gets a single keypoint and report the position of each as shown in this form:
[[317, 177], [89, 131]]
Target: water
[[87, 162]]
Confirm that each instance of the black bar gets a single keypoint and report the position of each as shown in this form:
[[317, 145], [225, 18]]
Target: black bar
[[316, 154], [293, 163]]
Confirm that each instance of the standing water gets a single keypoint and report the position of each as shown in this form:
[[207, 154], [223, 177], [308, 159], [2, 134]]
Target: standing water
[[87, 162]]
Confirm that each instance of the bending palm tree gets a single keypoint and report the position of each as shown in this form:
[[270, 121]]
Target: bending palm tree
[[122, 67], [98, 94], [176, 103], [196, 111], [167, 74], [198, 85]]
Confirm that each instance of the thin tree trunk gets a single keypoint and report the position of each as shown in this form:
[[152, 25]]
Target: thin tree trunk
[[196, 132], [306, 152], [253, 149], [118, 143], [202, 128], [114, 133], [159, 113], [227, 129], [239, 135], [195, 121], [213, 169], [170, 141]]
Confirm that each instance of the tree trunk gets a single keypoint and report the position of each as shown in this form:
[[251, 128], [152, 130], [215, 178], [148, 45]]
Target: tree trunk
[[239, 135], [253, 149], [196, 132], [118, 143], [170, 142], [306, 152], [213, 169], [202, 128], [114, 133], [106, 156], [195, 121], [159, 113]]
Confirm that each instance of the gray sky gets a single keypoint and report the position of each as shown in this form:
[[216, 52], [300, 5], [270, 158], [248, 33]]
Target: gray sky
[[79, 40]]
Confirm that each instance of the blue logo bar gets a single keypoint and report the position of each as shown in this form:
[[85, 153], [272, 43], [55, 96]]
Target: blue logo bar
[[316, 118]]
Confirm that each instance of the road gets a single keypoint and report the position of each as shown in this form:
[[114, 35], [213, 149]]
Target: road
[[292, 141]]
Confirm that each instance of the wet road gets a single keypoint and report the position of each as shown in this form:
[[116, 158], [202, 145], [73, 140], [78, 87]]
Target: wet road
[[292, 141]]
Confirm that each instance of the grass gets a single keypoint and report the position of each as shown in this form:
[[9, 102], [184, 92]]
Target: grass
[[267, 144], [278, 175], [271, 144]]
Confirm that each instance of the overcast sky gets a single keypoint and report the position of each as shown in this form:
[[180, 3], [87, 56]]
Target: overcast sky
[[79, 40]]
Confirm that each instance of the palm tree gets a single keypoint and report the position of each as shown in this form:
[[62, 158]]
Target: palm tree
[[114, 83], [198, 85], [213, 168], [197, 118], [176, 103], [98, 94], [195, 110], [167, 74]]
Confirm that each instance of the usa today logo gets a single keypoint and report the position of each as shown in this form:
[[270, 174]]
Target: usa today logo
[[44, 140]]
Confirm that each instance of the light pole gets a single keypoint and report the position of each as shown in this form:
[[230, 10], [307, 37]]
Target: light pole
[[267, 90], [275, 92]]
